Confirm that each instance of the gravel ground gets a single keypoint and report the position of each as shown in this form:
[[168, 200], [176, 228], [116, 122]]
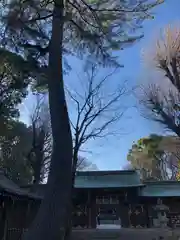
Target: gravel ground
[[124, 234]]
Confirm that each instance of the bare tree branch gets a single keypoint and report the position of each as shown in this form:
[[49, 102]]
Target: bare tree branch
[[84, 164], [96, 114], [39, 155], [162, 106], [162, 99]]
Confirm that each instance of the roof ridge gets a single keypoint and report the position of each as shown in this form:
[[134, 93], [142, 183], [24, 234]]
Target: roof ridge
[[101, 172], [163, 182]]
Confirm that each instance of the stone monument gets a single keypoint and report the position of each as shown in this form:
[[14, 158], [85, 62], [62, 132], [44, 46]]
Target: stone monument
[[161, 219]]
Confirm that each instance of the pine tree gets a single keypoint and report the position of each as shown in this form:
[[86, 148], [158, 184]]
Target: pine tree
[[44, 31]]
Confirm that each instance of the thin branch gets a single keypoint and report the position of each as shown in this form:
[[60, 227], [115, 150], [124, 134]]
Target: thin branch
[[92, 108], [39, 18]]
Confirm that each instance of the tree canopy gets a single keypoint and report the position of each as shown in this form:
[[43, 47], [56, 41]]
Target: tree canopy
[[162, 94], [15, 75], [14, 147], [154, 157], [92, 28]]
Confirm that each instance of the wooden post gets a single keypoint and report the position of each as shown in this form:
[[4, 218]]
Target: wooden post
[[147, 215], [124, 215], [5, 221], [27, 216], [123, 210], [89, 209], [92, 211]]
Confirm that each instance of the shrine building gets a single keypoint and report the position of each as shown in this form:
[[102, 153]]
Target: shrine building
[[121, 198], [118, 198]]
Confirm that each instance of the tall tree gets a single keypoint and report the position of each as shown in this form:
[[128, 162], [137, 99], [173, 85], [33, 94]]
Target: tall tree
[[162, 97], [39, 155], [162, 105], [15, 75], [154, 158], [94, 113], [25, 151], [91, 28], [14, 146], [41, 145]]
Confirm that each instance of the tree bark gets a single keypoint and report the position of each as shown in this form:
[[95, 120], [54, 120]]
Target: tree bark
[[53, 209], [68, 226]]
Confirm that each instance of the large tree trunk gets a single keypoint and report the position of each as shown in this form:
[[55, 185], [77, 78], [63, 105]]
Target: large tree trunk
[[68, 226], [51, 214], [39, 157]]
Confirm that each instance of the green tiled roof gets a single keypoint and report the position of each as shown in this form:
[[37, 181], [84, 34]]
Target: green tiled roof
[[161, 189], [10, 188], [107, 179]]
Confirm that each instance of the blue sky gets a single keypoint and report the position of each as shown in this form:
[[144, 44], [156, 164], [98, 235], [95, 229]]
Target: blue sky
[[111, 154]]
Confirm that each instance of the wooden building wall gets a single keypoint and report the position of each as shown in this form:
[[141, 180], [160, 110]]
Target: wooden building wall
[[133, 211], [138, 216], [16, 216], [174, 211], [124, 202]]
